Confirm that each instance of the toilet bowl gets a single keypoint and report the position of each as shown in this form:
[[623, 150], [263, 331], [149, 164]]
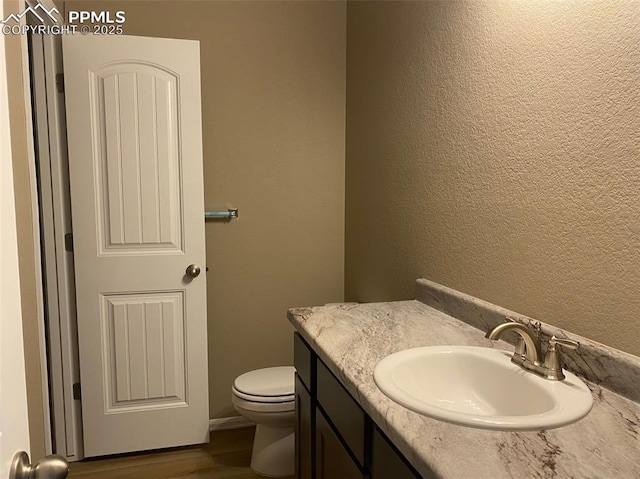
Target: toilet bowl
[[267, 398]]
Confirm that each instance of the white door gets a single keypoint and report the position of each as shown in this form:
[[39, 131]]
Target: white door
[[14, 429], [135, 161]]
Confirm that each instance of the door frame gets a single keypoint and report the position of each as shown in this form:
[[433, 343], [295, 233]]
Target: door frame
[[14, 416], [55, 223], [39, 321]]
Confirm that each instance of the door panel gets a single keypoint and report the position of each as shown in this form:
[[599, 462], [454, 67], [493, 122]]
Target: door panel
[[135, 160], [144, 336], [136, 116]]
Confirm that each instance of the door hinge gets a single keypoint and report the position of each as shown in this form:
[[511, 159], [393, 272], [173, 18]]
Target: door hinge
[[77, 395], [68, 242], [60, 82]]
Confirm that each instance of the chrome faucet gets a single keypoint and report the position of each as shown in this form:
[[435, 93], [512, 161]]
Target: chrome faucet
[[527, 353]]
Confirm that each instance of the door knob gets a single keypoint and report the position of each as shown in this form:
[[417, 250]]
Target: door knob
[[193, 270], [49, 467]]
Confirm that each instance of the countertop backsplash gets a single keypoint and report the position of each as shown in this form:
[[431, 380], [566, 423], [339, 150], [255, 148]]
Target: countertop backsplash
[[607, 367]]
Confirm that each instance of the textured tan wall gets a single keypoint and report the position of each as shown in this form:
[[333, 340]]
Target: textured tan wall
[[27, 248], [273, 97], [494, 147]]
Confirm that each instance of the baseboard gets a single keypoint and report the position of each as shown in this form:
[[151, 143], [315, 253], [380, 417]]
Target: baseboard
[[234, 422]]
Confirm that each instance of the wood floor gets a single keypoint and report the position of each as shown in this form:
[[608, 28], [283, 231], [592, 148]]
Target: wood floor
[[227, 456]]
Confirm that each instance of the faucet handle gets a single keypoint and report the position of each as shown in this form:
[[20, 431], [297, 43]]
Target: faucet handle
[[565, 343], [552, 362]]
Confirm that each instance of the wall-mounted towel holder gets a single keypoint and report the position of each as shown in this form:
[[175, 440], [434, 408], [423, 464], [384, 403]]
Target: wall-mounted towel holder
[[230, 214]]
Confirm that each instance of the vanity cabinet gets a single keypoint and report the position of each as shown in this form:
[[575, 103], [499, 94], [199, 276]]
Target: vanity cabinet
[[335, 438]]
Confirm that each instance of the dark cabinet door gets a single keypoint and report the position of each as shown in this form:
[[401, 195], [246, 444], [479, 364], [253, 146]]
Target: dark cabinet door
[[305, 362], [332, 459], [346, 416], [304, 432], [386, 462]]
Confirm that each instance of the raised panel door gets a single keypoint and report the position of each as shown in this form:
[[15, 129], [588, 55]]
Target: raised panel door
[[135, 163]]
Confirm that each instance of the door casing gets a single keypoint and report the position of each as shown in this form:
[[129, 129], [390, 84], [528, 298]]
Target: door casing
[[55, 223], [13, 394], [39, 408]]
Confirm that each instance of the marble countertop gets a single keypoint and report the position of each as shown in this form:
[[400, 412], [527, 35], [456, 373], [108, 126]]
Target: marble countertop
[[352, 338]]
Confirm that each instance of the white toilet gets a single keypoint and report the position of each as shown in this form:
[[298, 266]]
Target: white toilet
[[267, 397]]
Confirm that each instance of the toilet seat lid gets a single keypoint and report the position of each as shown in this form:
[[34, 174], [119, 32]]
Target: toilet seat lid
[[267, 382]]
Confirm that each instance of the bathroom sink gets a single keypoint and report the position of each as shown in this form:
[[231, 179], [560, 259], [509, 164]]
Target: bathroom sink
[[480, 387]]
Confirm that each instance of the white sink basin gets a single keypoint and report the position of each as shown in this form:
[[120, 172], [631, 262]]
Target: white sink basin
[[480, 387]]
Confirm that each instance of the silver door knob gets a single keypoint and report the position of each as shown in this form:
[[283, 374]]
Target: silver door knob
[[193, 270], [49, 467]]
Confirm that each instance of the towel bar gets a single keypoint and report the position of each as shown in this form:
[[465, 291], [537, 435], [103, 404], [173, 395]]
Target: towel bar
[[229, 214]]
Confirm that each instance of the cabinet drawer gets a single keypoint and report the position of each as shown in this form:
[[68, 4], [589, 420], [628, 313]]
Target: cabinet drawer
[[346, 415], [304, 361], [387, 463]]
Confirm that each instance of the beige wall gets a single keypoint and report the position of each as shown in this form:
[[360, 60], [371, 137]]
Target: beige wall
[[273, 94], [28, 258], [494, 147]]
